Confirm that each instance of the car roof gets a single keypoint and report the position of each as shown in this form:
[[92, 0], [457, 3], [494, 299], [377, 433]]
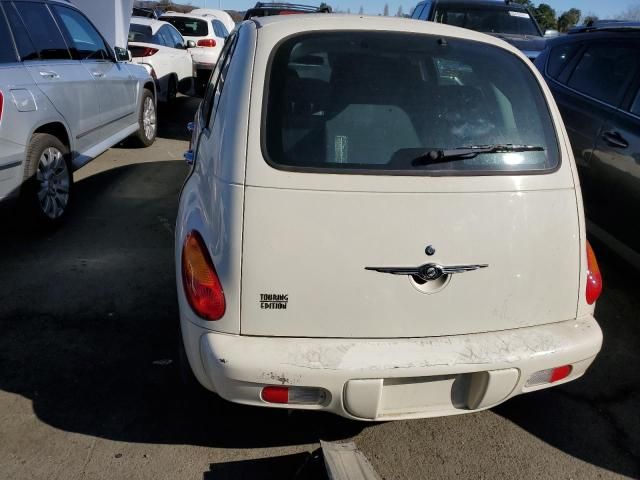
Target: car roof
[[484, 3], [200, 16], [586, 35], [289, 24], [150, 22], [606, 25]]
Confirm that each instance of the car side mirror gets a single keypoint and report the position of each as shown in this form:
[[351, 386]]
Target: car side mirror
[[551, 33], [122, 54], [191, 44]]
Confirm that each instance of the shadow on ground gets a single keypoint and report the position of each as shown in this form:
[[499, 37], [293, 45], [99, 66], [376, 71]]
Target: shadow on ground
[[596, 418], [89, 324]]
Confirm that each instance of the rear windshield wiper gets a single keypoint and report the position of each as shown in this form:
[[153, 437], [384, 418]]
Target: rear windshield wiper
[[464, 153]]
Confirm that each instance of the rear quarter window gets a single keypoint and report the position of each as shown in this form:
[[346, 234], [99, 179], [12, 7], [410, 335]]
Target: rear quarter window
[[559, 58], [366, 102], [7, 52]]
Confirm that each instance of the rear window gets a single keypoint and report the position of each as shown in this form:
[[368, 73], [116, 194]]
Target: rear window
[[488, 19], [141, 34], [358, 101], [189, 27]]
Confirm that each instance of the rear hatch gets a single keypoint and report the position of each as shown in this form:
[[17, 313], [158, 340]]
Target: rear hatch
[[337, 207]]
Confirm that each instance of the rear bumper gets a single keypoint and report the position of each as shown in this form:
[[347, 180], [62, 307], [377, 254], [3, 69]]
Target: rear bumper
[[392, 379]]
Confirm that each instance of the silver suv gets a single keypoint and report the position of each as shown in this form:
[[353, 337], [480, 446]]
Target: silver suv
[[65, 97]]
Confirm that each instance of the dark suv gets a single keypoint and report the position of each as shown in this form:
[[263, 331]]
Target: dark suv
[[594, 74], [507, 20]]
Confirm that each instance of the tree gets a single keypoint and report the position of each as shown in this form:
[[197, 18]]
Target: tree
[[631, 14], [590, 20], [546, 17], [400, 12], [361, 11], [385, 12], [569, 19]]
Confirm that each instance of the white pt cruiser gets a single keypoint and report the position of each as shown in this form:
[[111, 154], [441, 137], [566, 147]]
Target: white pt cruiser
[[383, 221]]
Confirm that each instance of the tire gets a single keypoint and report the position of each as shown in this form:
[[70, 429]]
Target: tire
[[148, 121], [48, 180]]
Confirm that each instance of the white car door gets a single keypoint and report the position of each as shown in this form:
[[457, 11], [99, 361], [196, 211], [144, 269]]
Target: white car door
[[182, 60]]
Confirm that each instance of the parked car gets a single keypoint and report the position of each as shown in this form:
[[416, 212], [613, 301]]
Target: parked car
[[507, 20], [265, 9], [160, 46], [65, 97], [208, 32], [593, 74], [366, 228]]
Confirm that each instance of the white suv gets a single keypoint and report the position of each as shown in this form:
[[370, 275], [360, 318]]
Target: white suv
[[207, 31], [383, 221]]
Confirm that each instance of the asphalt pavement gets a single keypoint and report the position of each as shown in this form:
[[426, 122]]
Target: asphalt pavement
[[89, 385]]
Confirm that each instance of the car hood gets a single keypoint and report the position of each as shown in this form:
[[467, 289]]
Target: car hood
[[523, 42]]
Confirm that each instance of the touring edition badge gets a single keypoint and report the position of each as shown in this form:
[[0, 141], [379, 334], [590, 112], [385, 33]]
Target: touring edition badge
[[269, 301]]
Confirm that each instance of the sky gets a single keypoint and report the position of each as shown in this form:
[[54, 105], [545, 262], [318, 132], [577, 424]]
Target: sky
[[601, 8]]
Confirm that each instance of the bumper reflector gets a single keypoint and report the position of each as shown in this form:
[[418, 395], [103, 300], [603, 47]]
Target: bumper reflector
[[294, 395], [550, 375]]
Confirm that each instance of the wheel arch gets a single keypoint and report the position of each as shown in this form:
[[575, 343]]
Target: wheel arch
[[58, 130]]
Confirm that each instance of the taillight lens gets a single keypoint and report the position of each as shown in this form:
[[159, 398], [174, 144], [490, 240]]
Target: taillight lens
[[552, 375], [1, 104], [207, 42], [594, 277], [202, 286], [294, 395], [143, 51]]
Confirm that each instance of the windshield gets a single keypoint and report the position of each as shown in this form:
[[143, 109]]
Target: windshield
[[488, 19], [376, 101], [189, 27]]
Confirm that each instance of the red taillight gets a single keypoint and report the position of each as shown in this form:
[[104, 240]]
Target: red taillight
[[295, 395], [275, 394], [138, 52], [560, 373], [289, 12], [202, 286], [1, 104], [594, 277], [551, 375], [207, 42]]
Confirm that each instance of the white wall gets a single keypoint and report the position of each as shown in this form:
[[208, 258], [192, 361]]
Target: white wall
[[112, 17]]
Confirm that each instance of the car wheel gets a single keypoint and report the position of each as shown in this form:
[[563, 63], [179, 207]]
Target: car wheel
[[48, 180], [148, 120]]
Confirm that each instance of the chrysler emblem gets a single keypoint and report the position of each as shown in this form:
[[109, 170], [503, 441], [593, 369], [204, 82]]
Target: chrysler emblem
[[429, 272]]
